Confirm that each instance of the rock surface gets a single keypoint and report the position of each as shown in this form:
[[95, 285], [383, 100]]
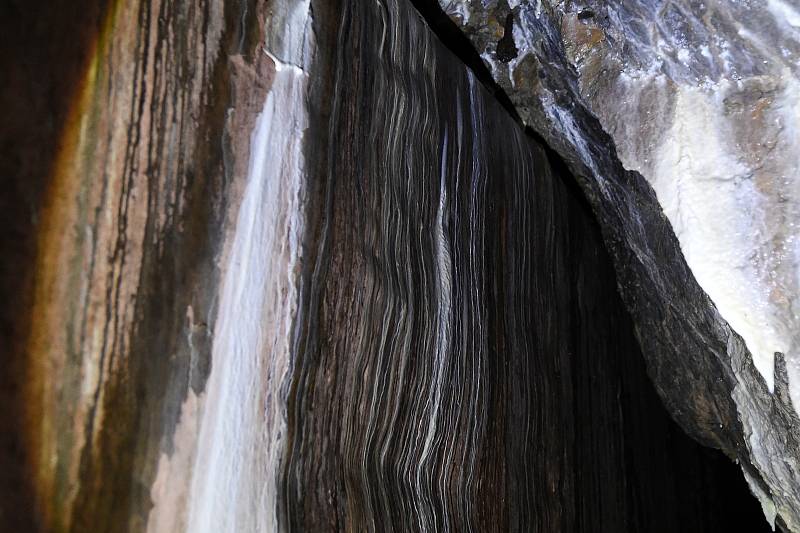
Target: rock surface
[[296, 269], [698, 100]]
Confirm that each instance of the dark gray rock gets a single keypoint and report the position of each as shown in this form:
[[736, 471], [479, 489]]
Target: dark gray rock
[[699, 99]]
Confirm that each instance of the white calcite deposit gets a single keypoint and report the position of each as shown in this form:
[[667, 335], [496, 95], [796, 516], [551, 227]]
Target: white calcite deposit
[[734, 209], [703, 101]]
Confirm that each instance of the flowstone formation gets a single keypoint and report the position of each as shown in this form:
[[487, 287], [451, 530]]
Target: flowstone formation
[[693, 109]]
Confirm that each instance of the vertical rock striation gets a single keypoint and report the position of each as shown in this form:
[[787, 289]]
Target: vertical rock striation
[[461, 355], [133, 221], [700, 100], [298, 270]]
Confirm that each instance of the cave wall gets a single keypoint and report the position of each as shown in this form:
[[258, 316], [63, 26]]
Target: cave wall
[[297, 269], [678, 120], [464, 360]]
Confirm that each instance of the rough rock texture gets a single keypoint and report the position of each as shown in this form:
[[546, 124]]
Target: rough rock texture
[[129, 232], [462, 362], [701, 100], [704, 101], [296, 269]]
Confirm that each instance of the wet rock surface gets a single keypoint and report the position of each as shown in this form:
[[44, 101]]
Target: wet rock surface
[[296, 269], [679, 119]]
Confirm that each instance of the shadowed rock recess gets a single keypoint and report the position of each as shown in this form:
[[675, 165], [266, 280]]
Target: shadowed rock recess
[[291, 266], [701, 99]]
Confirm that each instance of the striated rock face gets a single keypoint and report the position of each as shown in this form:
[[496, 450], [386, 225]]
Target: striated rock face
[[296, 269], [129, 235], [701, 100]]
